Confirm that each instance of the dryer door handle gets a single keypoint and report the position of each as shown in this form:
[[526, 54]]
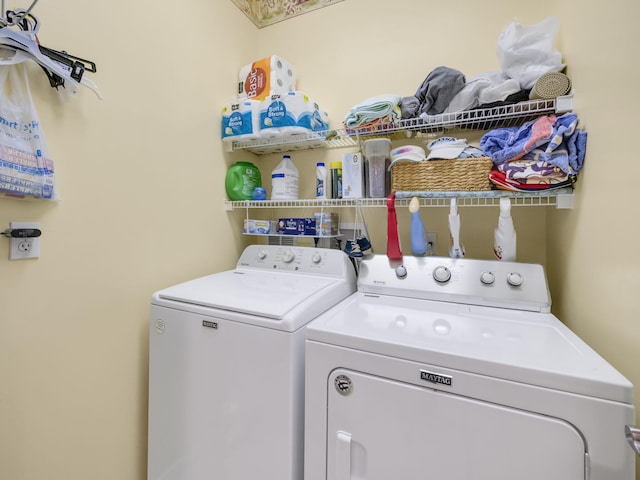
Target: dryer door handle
[[633, 437], [343, 456]]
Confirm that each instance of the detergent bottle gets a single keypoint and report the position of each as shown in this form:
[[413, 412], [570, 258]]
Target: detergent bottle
[[418, 238], [505, 235]]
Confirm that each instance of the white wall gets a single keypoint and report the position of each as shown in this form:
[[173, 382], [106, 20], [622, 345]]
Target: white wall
[[138, 167]]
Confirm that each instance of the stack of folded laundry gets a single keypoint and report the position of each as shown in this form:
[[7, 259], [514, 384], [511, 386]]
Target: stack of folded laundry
[[373, 112], [542, 154]]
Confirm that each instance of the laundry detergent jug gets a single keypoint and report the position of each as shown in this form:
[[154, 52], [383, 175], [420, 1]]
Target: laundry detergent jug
[[242, 178]]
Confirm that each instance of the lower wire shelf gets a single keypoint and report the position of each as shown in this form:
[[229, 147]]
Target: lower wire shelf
[[560, 198], [281, 235]]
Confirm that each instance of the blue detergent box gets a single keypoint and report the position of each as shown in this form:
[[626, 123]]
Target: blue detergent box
[[297, 226]]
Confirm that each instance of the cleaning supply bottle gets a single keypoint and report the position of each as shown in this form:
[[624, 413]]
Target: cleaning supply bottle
[[321, 180], [504, 246], [418, 237], [336, 179], [457, 249], [394, 250], [285, 180]]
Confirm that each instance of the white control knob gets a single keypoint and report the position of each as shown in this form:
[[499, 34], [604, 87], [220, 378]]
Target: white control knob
[[514, 279], [487, 277], [441, 274], [315, 257], [288, 256], [401, 271], [262, 254]]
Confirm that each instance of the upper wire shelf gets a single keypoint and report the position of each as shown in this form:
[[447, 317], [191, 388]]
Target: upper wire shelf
[[478, 119]]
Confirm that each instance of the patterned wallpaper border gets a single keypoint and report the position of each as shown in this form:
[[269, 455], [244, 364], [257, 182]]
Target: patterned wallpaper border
[[267, 12]]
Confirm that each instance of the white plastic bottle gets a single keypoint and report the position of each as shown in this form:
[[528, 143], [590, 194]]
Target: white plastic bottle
[[321, 180], [285, 180], [504, 246]]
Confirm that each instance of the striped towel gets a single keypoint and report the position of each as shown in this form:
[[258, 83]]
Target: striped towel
[[374, 108]]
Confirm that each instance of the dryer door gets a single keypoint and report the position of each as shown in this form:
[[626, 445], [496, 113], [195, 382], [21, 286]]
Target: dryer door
[[379, 429]]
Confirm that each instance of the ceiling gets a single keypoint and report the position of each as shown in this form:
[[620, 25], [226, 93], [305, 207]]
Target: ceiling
[[267, 12]]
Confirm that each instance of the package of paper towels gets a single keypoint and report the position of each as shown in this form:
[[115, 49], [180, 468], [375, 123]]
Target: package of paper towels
[[290, 113], [268, 76], [241, 120]]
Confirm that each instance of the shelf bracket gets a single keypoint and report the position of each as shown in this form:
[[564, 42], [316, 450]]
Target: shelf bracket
[[564, 201]]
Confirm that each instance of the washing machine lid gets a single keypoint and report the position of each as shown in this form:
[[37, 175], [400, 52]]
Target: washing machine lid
[[526, 347], [266, 294]]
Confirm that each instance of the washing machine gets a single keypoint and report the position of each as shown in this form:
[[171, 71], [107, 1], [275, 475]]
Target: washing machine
[[226, 364], [455, 369]]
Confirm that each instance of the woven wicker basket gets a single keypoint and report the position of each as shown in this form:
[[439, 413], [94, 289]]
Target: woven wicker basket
[[458, 174]]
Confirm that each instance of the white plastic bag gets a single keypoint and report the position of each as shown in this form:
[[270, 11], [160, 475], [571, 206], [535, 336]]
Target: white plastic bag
[[526, 52], [26, 168]]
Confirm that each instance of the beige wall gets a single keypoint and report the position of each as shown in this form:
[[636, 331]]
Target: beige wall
[[594, 263], [372, 47], [141, 174], [141, 186]]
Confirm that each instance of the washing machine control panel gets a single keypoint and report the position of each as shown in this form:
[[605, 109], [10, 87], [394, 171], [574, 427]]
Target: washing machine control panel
[[470, 281], [296, 259]]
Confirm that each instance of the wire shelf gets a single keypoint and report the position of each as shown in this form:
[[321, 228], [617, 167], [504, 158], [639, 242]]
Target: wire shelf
[[478, 119], [559, 198]]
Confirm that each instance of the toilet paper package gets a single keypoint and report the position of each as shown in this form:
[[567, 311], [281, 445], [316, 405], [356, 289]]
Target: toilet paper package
[[273, 116], [306, 113], [267, 76], [241, 120], [289, 114]]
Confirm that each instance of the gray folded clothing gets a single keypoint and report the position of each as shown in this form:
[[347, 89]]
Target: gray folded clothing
[[409, 107], [438, 89]]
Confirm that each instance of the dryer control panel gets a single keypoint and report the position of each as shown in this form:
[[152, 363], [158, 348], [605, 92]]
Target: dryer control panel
[[520, 286]]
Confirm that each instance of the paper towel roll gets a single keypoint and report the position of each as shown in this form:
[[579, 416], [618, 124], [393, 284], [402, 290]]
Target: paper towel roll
[[241, 120], [265, 77]]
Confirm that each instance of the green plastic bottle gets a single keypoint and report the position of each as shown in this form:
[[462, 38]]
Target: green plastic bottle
[[242, 178]]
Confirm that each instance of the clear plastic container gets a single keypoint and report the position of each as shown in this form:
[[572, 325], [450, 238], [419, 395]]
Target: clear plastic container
[[377, 154]]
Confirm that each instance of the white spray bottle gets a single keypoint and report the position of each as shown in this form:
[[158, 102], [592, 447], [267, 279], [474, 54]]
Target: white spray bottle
[[457, 249], [504, 246]]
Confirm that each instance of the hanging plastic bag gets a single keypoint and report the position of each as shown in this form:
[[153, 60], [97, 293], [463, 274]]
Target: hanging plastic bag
[[26, 168], [526, 52]]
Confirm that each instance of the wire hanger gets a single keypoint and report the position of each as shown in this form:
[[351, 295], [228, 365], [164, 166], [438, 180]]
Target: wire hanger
[[59, 66]]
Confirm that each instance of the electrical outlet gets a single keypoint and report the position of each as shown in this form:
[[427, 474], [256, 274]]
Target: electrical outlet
[[431, 243], [21, 248]]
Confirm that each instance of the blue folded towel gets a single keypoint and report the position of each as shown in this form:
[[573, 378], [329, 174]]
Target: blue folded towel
[[556, 141]]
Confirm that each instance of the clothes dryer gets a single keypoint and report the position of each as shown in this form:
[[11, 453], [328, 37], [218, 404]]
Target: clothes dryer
[[455, 369], [226, 364]]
